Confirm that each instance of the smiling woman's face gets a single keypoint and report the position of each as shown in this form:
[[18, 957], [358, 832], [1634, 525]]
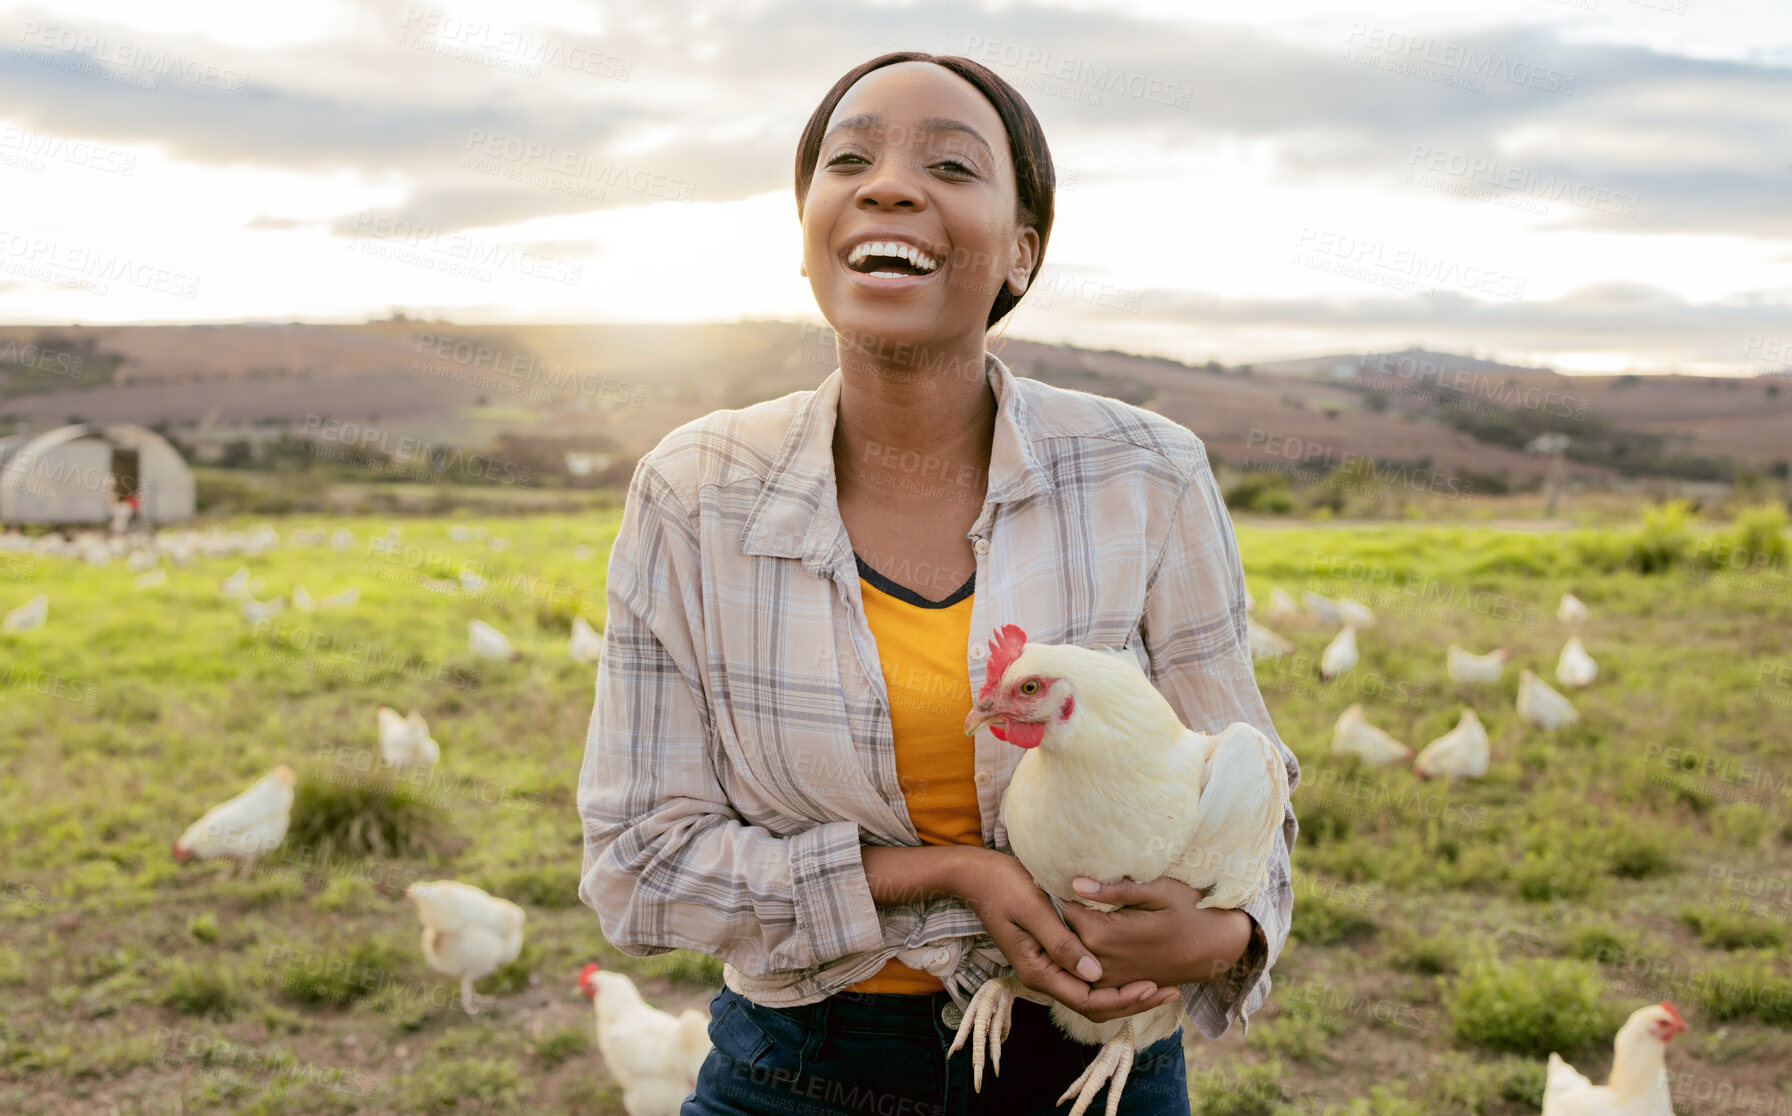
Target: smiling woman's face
[[914, 156]]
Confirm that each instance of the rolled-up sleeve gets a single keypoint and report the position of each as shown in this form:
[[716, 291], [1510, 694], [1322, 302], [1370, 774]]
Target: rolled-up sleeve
[[1194, 631], [669, 864]]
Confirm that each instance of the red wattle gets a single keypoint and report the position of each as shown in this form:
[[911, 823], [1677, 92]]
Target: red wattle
[[1025, 734]]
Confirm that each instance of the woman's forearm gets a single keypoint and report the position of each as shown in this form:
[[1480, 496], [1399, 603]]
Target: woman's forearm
[[901, 874]]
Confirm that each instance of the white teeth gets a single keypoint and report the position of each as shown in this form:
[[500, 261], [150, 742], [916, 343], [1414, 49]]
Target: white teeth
[[921, 260]]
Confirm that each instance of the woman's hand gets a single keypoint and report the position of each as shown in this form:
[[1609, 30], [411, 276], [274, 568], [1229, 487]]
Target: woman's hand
[[1047, 957], [1158, 934]]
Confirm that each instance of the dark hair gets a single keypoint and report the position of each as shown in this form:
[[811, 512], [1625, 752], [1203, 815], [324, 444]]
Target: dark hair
[[1034, 179]]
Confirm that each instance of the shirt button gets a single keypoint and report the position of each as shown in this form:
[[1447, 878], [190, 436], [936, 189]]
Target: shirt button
[[940, 957], [978, 651], [981, 546], [983, 778]]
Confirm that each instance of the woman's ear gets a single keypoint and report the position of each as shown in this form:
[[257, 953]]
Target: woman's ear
[[1026, 251]]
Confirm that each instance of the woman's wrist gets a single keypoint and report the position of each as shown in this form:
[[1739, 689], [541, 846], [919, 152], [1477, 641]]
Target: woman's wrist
[[903, 874]]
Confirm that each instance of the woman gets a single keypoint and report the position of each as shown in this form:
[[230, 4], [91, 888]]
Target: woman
[[800, 598]]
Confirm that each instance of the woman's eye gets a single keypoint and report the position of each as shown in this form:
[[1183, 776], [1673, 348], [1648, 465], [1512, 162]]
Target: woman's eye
[[956, 167], [843, 156]]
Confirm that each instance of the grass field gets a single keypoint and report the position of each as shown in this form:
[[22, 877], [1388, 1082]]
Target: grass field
[[1445, 939]]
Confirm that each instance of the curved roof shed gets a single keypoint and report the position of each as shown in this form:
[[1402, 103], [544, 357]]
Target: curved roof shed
[[66, 475]]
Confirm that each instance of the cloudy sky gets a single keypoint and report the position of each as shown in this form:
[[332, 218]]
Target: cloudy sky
[[1590, 184]]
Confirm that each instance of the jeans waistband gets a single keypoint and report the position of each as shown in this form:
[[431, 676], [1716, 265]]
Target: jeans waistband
[[867, 1010]]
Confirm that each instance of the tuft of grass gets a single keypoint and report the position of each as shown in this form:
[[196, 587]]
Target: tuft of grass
[[204, 990], [1531, 1007], [364, 817], [561, 1043], [1425, 955], [451, 1079], [203, 927], [550, 887], [1636, 854], [1236, 1090], [338, 979], [1747, 988], [343, 894], [1719, 928], [681, 964], [1600, 943]]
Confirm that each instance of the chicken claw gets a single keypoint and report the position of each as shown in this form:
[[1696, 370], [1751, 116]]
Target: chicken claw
[[1114, 1061], [987, 1017]]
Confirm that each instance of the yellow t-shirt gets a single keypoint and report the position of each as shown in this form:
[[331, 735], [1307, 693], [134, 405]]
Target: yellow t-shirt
[[920, 648]]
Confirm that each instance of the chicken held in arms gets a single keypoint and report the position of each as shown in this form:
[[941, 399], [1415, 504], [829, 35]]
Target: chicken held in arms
[[1114, 785]]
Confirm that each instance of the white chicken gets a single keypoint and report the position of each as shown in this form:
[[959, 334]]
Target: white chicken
[[237, 584], [1266, 644], [466, 933], [1541, 705], [242, 829], [1113, 785], [342, 538], [586, 644], [405, 741], [1571, 611], [653, 1055], [260, 612], [1282, 610], [151, 579], [301, 599], [1467, 667], [1460, 753], [1356, 613], [344, 599], [1639, 1081], [1339, 655], [1322, 608], [1354, 735], [488, 642], [1575, 668], [27, 616]]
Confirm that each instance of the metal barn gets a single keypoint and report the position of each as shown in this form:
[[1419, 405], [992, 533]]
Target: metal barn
[[78, 474]]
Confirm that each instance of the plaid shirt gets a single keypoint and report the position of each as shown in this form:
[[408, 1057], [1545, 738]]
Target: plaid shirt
[[740, 751]]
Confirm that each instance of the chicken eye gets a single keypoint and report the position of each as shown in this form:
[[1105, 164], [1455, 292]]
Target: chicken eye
[[1030, 687]]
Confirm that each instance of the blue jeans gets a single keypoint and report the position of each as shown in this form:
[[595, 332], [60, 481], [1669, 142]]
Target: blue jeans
[[885, 1055]]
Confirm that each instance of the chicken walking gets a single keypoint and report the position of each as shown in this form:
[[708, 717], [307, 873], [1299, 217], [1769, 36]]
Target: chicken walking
[[652, 1054]]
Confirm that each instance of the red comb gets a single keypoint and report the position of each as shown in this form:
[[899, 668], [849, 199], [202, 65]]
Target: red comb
[[1670, 1010], [1005, 647], [585, 985]]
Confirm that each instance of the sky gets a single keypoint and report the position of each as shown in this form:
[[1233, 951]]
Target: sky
[[1591, 185]]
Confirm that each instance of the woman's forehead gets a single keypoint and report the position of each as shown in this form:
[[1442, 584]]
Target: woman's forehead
[[902, 98]]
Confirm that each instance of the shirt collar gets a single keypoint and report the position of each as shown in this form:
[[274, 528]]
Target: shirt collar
[[797, 514]]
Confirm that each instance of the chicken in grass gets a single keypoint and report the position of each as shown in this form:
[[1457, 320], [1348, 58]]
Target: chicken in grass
[[244, 828], [1322, 608], [488, 642], [586, 645], [1541, 705], [1266, 644], [1461, 753], [1282, 610], [466, 933], [1639, 1081], [653, 1055], [1113, 785], [1471, 668], [1575, 668], [27, 616], [1353, 735], [405, 741], [1571, 611], [1340, 655]]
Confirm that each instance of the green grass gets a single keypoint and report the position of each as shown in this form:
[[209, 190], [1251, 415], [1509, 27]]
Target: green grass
[[1618, 862]]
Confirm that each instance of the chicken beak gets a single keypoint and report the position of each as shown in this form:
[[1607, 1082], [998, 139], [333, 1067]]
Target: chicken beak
[[980, 715]]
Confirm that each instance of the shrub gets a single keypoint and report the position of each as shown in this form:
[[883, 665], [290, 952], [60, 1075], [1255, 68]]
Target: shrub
[[1664, 539], [363, 817], [201, 990], [452, 1085], [682, 964], [1531, 1007], [203, 927], [561, 1043], [1745, 989], [336, 979], [552, 887], [1236, 1090], [1321, 921], [1262, 492], [1636, 853], [1719, 928], [1757, 538], [1427, 956]]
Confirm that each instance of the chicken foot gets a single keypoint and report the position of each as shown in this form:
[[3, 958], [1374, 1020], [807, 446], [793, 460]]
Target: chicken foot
[[471, 1002], [986, 1018], [1111, 1067]]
